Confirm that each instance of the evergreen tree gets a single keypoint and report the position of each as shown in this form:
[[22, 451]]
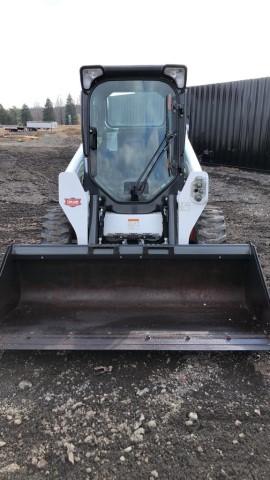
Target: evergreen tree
[[59, 111], [4, 116], [14, 116], [71, 117], [25, 114], [48, 111]]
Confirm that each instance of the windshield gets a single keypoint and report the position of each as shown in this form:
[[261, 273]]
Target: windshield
[[132, 119]]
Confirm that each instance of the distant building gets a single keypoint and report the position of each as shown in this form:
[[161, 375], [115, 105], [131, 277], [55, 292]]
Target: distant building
[[41, 125], [13, 128]]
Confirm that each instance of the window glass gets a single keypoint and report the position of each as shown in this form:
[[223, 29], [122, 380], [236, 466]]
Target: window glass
[[132, 119]]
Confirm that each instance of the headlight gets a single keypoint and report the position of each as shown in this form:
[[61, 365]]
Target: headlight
[[178, 73], [88, 75], [198, 189]]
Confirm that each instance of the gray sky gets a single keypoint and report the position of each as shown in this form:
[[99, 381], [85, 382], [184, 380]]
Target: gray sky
[[44, 42]]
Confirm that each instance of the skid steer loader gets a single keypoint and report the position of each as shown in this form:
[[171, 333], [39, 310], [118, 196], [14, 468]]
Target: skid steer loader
[[133, 257]]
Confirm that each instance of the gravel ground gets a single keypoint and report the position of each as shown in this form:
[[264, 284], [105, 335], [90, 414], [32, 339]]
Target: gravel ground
[[143, 415]]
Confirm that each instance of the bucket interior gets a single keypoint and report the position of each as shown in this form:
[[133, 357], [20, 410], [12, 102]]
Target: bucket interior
[[149, 303]]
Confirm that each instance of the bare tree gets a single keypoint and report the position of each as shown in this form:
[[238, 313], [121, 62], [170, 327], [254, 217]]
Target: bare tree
[[59, 111], [36, 111], [78, 106]]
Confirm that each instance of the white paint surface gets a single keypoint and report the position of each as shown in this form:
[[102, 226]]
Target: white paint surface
[[150, 223], [71, 192]]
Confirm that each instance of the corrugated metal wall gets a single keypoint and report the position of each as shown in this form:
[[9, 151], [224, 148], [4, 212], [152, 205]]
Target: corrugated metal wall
[[229, 123]]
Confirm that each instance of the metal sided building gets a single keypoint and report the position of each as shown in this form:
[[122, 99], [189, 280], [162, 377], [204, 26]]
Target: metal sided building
[[229, 123]]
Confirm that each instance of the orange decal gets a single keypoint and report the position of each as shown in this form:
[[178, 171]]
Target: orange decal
[[73, 202]]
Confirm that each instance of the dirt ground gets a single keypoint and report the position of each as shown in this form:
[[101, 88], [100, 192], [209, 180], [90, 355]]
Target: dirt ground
[[150, 415]]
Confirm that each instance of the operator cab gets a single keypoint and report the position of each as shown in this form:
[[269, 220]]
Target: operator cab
[[133, 137]]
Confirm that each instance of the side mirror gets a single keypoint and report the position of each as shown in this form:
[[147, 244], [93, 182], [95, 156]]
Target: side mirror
[[93, 138]]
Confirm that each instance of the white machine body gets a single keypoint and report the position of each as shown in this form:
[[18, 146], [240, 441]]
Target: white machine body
[[148, 225], [193, 197], [191, 201], [73, 199]]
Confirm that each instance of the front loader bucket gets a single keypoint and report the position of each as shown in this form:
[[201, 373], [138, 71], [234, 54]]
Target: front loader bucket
[[194, 297]]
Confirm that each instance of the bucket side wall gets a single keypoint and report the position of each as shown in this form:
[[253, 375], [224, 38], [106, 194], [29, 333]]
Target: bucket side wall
[[9, 284]]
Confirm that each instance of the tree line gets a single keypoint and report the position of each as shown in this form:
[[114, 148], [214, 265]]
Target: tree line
[[64, 114]]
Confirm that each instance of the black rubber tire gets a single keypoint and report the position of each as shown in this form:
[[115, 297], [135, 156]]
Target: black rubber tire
[[211, 227], [56, 227]]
